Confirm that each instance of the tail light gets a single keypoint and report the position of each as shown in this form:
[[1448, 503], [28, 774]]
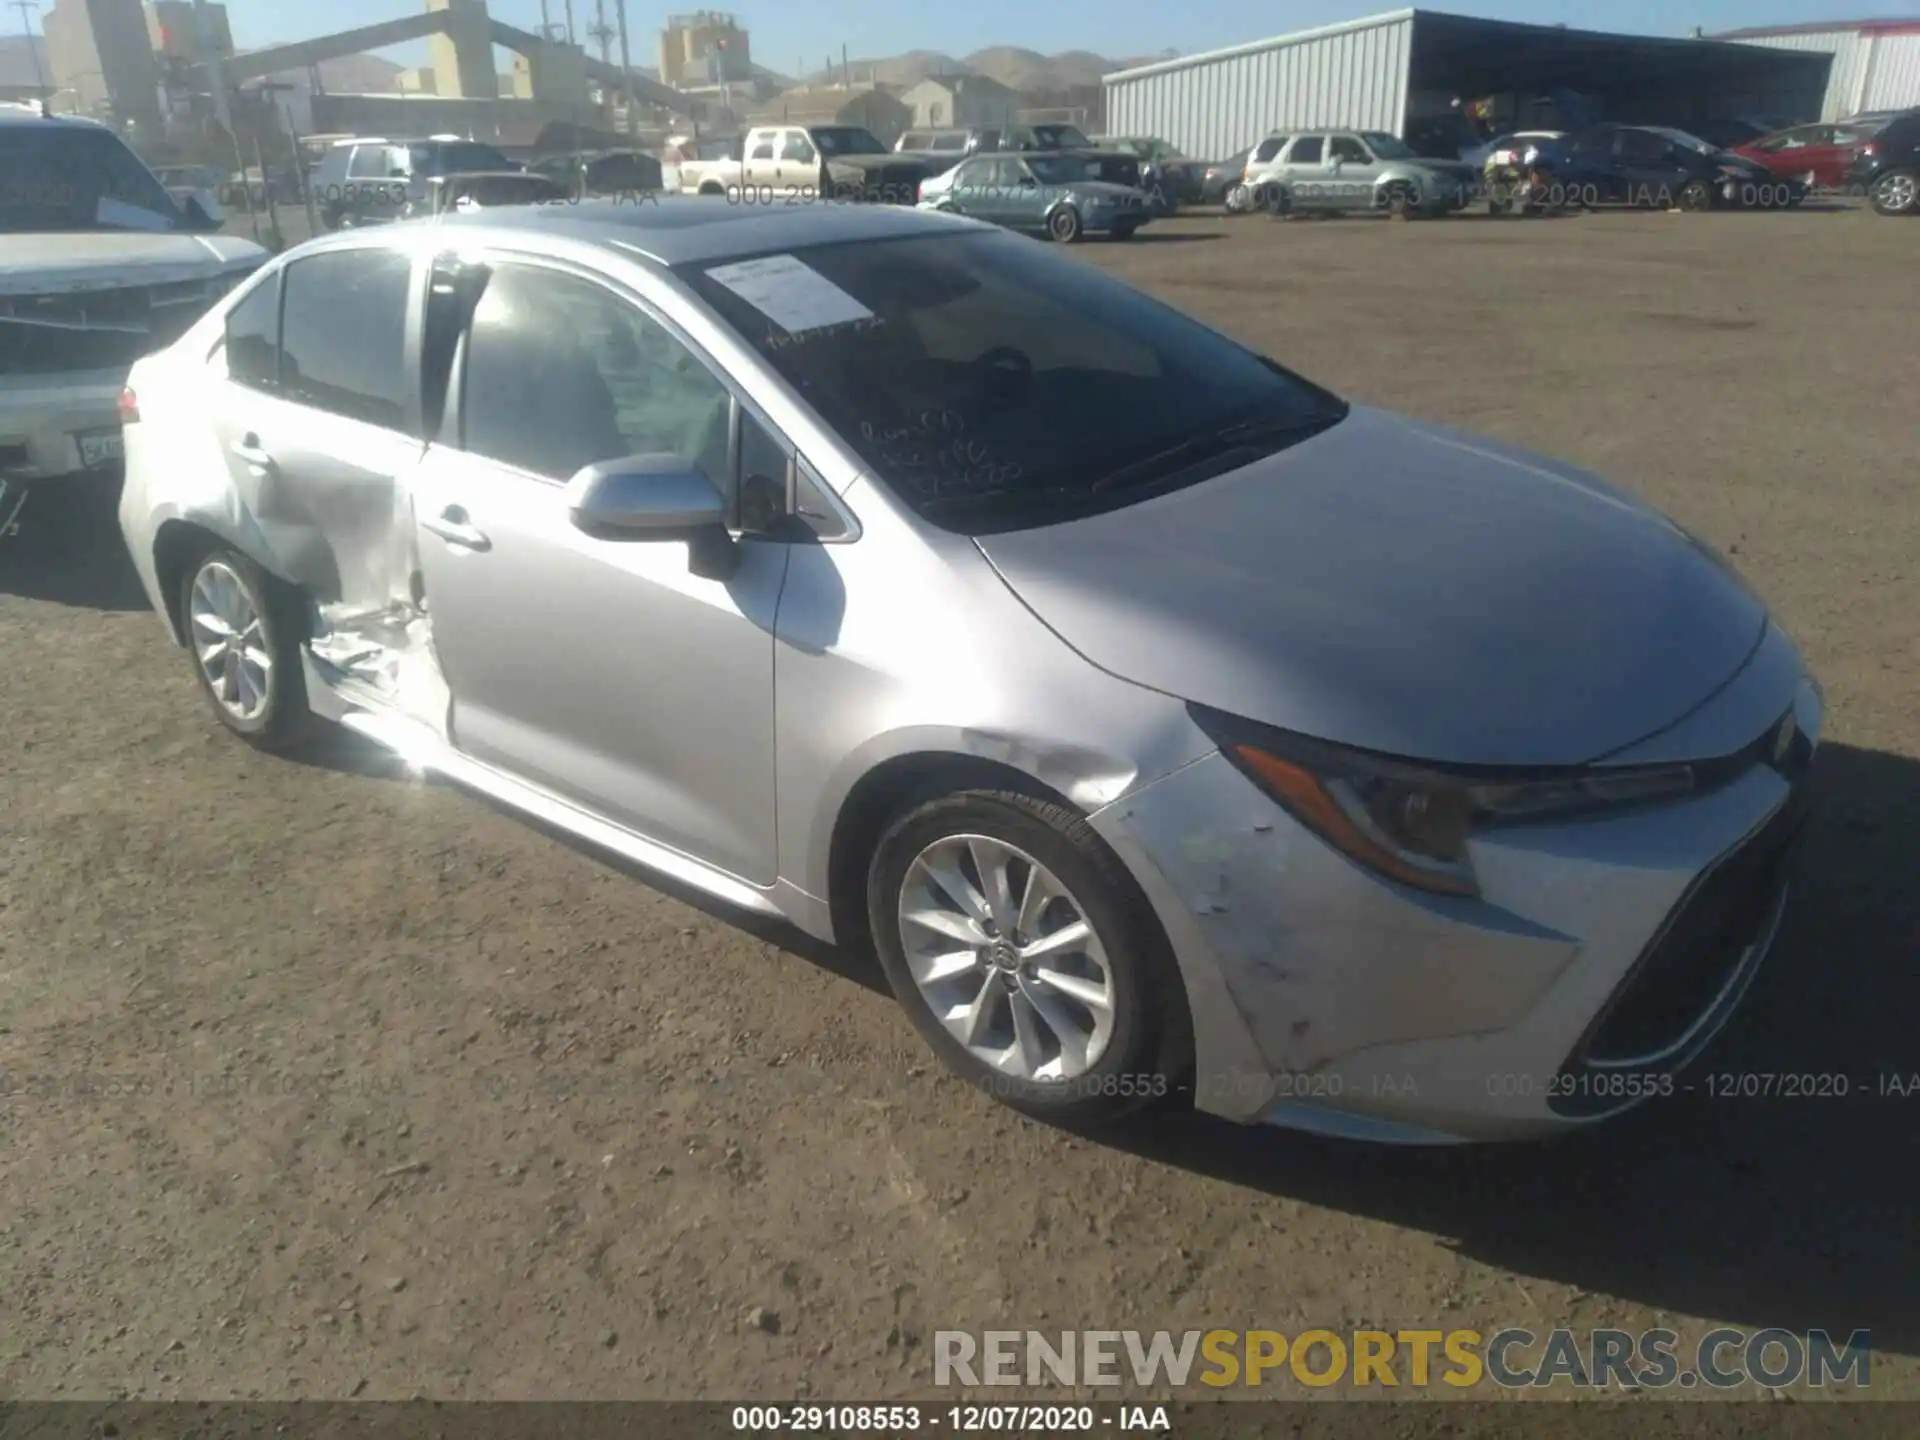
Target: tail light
[[1869, 149], [129, 405]]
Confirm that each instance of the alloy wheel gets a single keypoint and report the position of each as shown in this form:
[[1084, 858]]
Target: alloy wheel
[[229, 642], [1006, 959], [1898, 193]]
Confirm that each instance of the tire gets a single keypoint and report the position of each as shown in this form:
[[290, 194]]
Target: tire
[[1896, 193], [1064, 225], [1401, 203], [1122, 232], [1695, 195], [1146, 1050], [279, 718], [1279, 203], [712, 187]]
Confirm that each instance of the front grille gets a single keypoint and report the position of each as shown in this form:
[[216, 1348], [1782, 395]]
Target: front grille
[[1693, 963], [99, 329]]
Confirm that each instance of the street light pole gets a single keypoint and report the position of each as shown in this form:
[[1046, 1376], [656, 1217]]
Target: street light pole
[[27, 9]]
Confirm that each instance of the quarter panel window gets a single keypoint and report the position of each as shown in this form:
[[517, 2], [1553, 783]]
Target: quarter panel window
[[1306, 151], [344, 332]]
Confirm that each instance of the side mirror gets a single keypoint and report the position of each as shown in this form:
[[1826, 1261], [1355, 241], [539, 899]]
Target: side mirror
[[655, 497], [197, 216]]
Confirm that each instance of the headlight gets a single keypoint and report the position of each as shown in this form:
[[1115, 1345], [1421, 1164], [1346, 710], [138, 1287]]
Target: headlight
[[1410, 822]]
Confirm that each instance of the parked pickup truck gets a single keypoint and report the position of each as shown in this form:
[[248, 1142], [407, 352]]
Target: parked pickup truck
[[705, 167], [846, 162]]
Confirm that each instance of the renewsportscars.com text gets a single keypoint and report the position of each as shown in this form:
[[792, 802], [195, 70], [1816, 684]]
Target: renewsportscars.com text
[[1511, 1358]]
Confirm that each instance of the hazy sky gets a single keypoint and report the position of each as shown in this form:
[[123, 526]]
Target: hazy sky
[[785, 35]]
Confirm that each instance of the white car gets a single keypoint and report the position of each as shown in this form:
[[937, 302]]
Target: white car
[[99, 265]]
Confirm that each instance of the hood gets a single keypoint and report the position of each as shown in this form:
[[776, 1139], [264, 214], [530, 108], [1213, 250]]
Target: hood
[[51, 263], [1404, 589]]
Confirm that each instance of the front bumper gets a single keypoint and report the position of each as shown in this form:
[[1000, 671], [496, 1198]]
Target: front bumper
[[48, 424], [1601, 957]]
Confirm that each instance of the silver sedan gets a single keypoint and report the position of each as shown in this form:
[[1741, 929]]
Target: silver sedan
[[1167, 724]]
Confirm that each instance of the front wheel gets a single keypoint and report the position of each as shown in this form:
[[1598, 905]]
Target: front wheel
[[245, 652], [1896, 193], [1402, 203], [1696, 195], [1064, 225], [1027, 958]]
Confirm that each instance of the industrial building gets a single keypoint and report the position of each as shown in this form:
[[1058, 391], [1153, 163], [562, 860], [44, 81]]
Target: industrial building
[[1876, 63], [962, 102], [1390, 72], [704, 48], [100, 53]]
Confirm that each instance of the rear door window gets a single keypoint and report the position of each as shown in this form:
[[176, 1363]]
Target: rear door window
[[343, 335], [253, 337]]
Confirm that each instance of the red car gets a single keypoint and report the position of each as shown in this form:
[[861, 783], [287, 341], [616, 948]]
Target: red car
[[1817, 154]]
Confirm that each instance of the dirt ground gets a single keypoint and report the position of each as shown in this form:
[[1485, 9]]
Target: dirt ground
[[325, 1081]]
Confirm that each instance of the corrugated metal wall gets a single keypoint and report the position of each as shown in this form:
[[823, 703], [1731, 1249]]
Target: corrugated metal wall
[[1893, 73], [1846, 82], [1212, 105]]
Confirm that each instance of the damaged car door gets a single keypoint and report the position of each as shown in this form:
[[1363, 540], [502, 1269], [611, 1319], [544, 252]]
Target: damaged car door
[[615, 672], [314, 422]]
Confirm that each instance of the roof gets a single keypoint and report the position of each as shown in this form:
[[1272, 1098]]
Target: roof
[[961, 84], [1459, 26], [31, 115], [678, 230], [1879, 25]]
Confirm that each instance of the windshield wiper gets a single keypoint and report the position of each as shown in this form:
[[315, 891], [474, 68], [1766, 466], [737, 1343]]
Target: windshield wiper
[[1244, 435]]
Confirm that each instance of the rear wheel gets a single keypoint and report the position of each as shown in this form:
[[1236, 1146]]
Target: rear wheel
[[1123, 231], [1402, 203], [712, 187], [1027, 957], [1064, 225], [1896, 193], [245, 650]]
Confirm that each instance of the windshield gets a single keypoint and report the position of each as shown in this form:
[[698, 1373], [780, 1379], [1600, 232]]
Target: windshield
[[58, 178], [1387, 147], [846, 140], [993, 385], [1061, 137], [1692, 142], [455, 159]]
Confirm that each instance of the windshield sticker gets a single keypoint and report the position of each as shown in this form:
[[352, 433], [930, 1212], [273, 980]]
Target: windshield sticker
[[794, 296]]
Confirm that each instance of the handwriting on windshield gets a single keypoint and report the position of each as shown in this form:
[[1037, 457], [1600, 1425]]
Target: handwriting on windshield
[[934, 454], [782, 340]]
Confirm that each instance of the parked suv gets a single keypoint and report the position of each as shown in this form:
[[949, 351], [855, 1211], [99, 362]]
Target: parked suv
[[101, 266], [369, 180], [1345, 170], [1887, 167]]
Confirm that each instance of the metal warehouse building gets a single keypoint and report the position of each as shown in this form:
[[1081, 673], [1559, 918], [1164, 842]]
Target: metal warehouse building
[[1392, 70], [1876, 63]]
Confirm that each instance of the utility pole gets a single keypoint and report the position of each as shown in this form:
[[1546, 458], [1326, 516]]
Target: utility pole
[[626, 67], [27, 9], [602, 34], [570, 22]]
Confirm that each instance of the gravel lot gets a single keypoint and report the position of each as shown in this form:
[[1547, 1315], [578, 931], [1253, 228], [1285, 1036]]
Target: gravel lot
[[328, 1081]]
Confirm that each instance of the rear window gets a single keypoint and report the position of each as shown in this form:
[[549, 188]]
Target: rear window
[[989, 383], [59, 177], [453, 158]]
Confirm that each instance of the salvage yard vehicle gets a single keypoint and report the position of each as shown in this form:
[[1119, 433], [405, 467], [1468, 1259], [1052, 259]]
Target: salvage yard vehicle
[[475, 191], [787, 164], [1816, 155], [714, 167], [366, 181], [1043, 194], [583, 173], [1333, 171], [98, 266], [1164, 721], [1887, 169], [1223, 176], [1180, 176], [1653, 167]]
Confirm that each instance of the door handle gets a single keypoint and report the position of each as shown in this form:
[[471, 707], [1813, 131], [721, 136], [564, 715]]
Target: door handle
[[452, 526], [247, 447]]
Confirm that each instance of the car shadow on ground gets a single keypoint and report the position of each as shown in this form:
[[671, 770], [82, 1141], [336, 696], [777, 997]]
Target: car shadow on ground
[[68, 549], [1150, 236], [1771, 1210]]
